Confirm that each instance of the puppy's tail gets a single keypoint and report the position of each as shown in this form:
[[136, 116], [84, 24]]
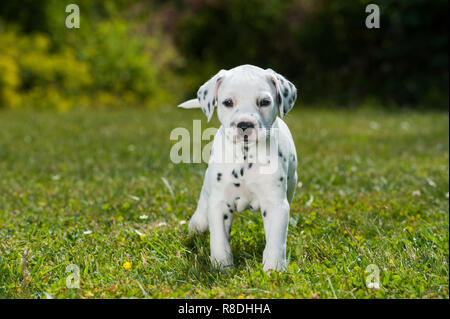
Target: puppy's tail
[[191, 104]]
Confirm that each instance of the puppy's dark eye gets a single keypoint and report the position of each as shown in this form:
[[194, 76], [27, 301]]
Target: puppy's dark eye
[[228, 103], [264, 102]]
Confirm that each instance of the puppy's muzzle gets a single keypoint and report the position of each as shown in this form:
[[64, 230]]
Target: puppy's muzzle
[[245, 128]]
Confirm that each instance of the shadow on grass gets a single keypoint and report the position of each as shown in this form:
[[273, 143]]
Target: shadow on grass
[[247, 245], [198, 267]]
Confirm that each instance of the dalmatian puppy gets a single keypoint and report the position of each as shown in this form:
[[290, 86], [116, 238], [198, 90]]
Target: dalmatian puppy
[[253, 160]]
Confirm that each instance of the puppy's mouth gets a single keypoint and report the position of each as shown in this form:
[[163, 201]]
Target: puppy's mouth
[[247, 135]]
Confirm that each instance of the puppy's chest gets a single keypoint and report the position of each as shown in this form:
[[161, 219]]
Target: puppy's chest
[[239, 182], [240, 174]]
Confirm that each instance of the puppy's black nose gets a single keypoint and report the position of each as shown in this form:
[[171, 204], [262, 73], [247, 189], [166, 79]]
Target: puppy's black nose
[[245, 125]]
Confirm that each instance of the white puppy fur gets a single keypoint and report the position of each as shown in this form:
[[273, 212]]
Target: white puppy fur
[[248, 100]]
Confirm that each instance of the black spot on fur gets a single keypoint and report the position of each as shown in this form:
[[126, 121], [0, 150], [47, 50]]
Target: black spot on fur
[[237, 198], [246, 148], [250, 165], [225, 216], [237, 184], [228, 205], [204, 94], [231, 211], [280, 154], [242, 171], [285, 92], [251, 207], [234, 174], [281, 178], [219, 176], [264, 214], [278, 98]]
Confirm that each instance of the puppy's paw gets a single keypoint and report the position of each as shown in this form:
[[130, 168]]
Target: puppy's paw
[[198, 224], [274, 260], [224, 263], [280, 266], [224, 268]]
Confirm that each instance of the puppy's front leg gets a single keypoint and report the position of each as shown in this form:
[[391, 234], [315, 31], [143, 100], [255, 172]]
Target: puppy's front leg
[[220, 220], [276, 220]]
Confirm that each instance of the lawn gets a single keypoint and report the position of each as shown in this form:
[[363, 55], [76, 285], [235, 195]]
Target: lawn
[[74, 187]]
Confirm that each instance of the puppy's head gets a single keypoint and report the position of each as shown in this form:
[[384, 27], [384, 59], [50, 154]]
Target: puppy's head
[[248, 100]]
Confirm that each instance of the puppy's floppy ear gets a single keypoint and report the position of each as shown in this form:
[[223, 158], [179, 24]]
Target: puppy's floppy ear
[[207, 94], [286, 92]]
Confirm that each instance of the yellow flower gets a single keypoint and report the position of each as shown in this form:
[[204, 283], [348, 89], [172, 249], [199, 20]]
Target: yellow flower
[[127, 265], [142, 236], [391, 263]]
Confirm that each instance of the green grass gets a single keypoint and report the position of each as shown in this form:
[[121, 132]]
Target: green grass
[[374, 191]]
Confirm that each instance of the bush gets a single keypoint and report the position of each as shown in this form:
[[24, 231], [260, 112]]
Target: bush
[[107, 62], [324, 46], [35, 76], [127, 67], [9, 81], [106, 68]]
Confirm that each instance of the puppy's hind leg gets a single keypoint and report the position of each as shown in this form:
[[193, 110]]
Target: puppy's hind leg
[[199, 221]]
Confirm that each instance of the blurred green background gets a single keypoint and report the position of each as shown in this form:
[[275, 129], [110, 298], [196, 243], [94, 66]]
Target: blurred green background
[[145, 53], [371, 128]]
